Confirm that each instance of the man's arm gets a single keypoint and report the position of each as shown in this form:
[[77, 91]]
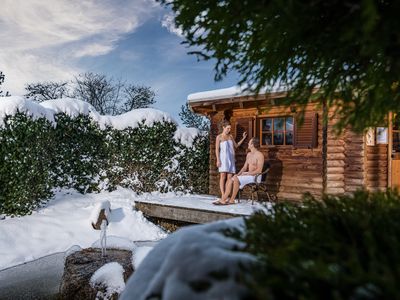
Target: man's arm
[[260, 163]]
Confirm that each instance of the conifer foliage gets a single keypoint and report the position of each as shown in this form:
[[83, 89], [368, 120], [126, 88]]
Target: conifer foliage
[[339, 248], [191, 119], [349, 50]]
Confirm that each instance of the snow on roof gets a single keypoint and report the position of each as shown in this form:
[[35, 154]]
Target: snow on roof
[[231, 92]]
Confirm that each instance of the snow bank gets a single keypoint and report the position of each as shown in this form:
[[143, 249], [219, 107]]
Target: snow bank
[[74, 107], [139, 255], [110, 276], [196, 256], [134, 117], [64, 223], [69, 106], [9, 106], [186, 136], [116, 242]]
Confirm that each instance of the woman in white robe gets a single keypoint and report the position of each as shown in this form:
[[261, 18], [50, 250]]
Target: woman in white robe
[[225, 146]]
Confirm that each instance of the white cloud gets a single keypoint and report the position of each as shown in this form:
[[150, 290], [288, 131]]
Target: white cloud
[[44, 39], [168, 22], [95, 49]]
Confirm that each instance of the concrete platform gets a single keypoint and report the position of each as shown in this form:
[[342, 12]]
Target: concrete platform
[[195, 209]]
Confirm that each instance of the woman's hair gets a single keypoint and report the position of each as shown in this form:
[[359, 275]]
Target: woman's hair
[[256, 142], [225, 123]]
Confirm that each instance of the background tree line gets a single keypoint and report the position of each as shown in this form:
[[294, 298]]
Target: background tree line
[[108, 95], [2, 77]]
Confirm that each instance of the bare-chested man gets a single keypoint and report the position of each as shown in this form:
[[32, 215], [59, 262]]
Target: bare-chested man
[[253, 165]]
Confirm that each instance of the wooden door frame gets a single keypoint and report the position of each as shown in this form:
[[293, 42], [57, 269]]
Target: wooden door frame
[[390, 146]]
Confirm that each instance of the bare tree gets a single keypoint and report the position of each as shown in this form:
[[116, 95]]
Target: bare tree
[[42, 91], [137, 96], [100, 91], [2, 77]]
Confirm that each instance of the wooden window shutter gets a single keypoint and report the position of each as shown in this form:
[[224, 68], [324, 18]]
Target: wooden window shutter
[[242, 125], [306, 134]]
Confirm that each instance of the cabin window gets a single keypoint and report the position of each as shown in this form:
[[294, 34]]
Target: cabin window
[[276, 131]]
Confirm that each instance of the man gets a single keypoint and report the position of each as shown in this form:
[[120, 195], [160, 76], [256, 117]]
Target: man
[[253, 166]]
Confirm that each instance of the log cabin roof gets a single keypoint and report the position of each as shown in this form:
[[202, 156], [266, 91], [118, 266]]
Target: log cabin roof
[[235, 97]]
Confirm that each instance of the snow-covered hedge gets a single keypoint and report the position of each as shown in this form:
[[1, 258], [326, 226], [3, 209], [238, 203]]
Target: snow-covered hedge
[[66, 143]]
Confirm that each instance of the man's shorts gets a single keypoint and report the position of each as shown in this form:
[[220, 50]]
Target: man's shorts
[[246, 179]]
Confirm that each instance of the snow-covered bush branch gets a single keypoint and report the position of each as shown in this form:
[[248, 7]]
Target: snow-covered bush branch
[[66, 143]]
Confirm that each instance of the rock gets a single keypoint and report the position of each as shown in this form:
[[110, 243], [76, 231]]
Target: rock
[[80, 266]]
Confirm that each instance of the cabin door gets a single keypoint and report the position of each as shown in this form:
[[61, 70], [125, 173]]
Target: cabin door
[[395, 152]]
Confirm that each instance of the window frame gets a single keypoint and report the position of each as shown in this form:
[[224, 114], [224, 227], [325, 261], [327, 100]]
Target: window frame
[[284, 131]]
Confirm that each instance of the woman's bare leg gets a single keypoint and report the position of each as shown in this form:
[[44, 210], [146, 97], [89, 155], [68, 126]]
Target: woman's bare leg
[[222, 181], [228, 189]]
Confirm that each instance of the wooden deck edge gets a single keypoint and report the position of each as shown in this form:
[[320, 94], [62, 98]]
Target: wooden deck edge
[[183, 214]]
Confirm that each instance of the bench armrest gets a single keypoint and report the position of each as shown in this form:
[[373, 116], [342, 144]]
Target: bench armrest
[[260, 174]]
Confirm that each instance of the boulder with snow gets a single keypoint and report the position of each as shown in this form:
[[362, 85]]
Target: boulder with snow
[[108, 281], [80, 267]]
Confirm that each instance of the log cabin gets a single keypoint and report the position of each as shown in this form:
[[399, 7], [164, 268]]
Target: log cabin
[[305, 158]]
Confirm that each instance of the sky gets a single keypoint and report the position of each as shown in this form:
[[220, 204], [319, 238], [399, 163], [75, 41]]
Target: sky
[[131, 40]]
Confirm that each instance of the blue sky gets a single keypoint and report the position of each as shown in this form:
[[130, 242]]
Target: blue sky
[[132, 40]]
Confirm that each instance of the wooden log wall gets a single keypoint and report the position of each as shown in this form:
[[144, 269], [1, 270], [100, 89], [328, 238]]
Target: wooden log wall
[[354, 169], [350, 164], [293, 172], [345, 171], [376, 165]]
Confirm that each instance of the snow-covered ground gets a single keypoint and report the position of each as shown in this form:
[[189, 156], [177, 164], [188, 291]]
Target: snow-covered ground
[[66, 221], [64, 225]]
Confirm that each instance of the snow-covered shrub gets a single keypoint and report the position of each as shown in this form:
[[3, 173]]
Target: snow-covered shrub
[[149, 158], [343, 247], [80, 153], [192, 164], [141, 153], [26, 161], [67, 144]]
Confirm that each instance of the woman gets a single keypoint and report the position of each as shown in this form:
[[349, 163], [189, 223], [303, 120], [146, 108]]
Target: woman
[[225, 147]]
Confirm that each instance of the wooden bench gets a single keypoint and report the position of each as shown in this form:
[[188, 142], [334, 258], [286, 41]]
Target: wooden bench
[[260, 187]]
